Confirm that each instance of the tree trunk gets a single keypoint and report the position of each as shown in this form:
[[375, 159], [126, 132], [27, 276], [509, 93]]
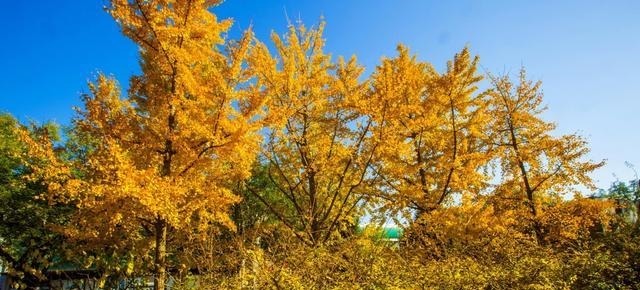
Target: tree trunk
[[637, 221], [636, 201], [160, 277]]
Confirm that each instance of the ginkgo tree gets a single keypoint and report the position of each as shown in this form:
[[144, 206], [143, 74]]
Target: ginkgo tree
[[318, 150], [431, 128], [536, 167], [163, 158]]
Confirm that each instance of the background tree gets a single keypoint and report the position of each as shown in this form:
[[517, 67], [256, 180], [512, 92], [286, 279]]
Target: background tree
[[626, 195], [29, 245]]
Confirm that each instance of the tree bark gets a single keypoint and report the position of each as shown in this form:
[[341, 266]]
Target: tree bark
[[160, 277]]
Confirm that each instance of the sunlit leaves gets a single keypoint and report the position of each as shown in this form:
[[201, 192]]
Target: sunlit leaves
[[432, 129], [318, 151]]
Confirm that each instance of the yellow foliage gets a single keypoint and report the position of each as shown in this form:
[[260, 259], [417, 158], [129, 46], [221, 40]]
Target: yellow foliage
[[163, 158], [318, 151], [431, 129], [535, 166], [572, 223]]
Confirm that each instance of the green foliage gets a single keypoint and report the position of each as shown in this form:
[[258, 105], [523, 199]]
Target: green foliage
[[28, 243]]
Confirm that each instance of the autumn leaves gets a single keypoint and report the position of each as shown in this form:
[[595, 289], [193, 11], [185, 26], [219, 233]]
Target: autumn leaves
[[172, 156]]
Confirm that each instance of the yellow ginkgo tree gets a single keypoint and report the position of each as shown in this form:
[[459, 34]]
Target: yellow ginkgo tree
[[536, 167], [318, 150], [431, 131], [163, 159]]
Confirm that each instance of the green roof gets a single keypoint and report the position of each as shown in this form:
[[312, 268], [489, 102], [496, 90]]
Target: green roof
[[385, 233], [391, 233]]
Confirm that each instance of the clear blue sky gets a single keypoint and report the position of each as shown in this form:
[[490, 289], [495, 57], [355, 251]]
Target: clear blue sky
[[587, 53]]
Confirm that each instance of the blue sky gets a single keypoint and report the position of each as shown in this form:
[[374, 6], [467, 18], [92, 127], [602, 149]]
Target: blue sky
[[587, 53]]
